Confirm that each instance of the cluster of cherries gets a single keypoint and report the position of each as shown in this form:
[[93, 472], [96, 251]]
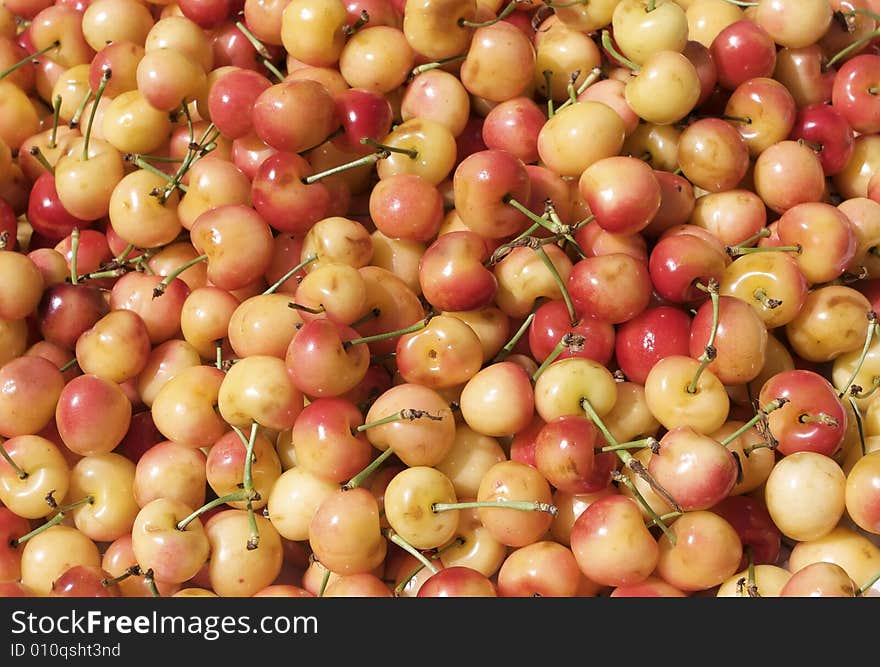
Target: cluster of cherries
[[439, 298]]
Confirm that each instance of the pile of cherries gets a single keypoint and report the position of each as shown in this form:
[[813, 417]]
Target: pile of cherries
[[439, 298]]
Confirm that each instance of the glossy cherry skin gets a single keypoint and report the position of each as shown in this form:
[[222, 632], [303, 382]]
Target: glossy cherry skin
[[752, 522], [825, 127], [655, 333], [795, 425]]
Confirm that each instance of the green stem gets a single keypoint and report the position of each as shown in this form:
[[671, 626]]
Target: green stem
[[74, 251], [411, 153], [287, 276], [56, 116], [407, 414], [254, 537], [507, 11], [29, 59], [551, 267], [736, 251], [763, 234], [769, 303], [218, 362], [570, 340], [54, 521], [628, 459], [709, 352], [324, 581], [398, 590], [434, 65], [70, 364], [80, 109], [656, 519], [421, 324], [609, 46], [630, 444], [372, 158], [159, 290], [592, 78], [859, 425], [37, 154], [141, 163], [105, 77], [237, 496], [864, 589], [763, 412], [151, 583], [133, 571], [851, 48], [869, 337], [358, 479], [261, 50], [519, 505], [406, 546], [507, 350], [12, 464]]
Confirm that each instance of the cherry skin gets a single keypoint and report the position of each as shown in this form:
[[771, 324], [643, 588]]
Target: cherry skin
[[813, 419], [657, 332], [825, 126], [552, 322]]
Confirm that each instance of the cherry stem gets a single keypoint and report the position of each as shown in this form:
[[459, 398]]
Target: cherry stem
[[519, 505], [818, 418], [56, 116], [763, 234], [152, 158], [126, 251], [736, 119], [569, 341], [709, 352], [361, 21], [860, 427], [133, 571], [398, 590], [735, 251], [664, 518], [752, 587], [631, 444], [407, 414], [29, 59], [869, 337], [12, 464], [287, 276], [438, 63], [651, 6], [371, 314], [609, 46], [563, 5], [237, 496], [868, 585], [105, 77], [769, 303], [108, 273], [151, 583], [249, 443], [55, 520], [326, 578], [762, 413], [159, 290], [389, 334], [80, 109], [218, 362], [393, 537], [507, 350], [195, 151], [507, 11], [536, 219], [4, 240], [254, 537], [358, 479], [37, 154], [70, 364], [261, 50], [628, 459], [74, 251], [412, 153], [372, 158], [306, 309], [141, 163], [851, 48], [656, 519]]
